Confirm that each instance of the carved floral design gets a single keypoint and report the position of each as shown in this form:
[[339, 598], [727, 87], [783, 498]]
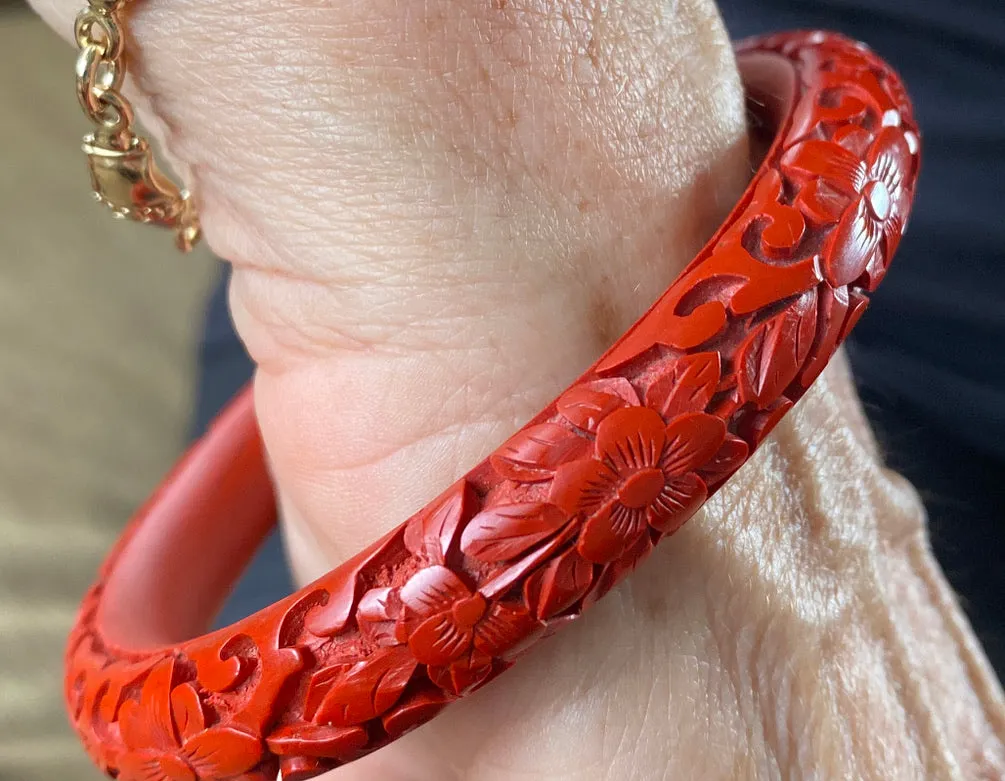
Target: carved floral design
[[869, 229], [564, 509], [455, 631], [167, 739], [640, 476]]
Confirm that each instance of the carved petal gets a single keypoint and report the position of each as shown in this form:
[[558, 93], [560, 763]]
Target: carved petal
[[222, 752], [502, 628], [147, 724], [680, 500], [853, 242], [439, 640], [150, 766], [187, 709], [890, 160], [607, 534], [433, 590], [821, 203], [631, 438], [692, 441], [836, 165], [583, 486]]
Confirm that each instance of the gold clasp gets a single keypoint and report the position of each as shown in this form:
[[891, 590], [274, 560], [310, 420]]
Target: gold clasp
[[129, 182], [124, 175]]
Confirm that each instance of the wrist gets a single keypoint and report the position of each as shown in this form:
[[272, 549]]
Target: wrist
[[847, 630]]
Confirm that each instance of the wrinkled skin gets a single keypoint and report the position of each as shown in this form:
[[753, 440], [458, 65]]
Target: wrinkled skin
[[439, 213]]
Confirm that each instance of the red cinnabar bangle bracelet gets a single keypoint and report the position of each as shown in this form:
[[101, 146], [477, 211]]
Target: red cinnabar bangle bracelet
[[546, 525]]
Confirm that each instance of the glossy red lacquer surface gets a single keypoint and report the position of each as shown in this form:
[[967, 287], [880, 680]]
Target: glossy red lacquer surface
[[545, 526]]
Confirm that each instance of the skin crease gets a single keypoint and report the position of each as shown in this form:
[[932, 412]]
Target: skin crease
[[439, 213]]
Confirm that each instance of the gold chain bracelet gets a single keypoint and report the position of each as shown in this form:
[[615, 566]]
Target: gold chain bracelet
[[124, 174]]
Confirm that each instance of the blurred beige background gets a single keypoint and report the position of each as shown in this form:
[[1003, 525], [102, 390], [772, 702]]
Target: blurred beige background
[[98, 324]]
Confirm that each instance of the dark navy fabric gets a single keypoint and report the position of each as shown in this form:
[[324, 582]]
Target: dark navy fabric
[[224, 368], [934, 338], [929, 355]]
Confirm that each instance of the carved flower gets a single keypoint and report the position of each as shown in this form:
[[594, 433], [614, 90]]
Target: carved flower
[[166, 738], [868, 229], [641, 475], [457, 632]]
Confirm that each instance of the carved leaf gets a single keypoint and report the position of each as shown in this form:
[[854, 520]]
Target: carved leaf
[[687, 387], [772, 355], [505, 532], [558, 585], [321, 683], [857, 304], [832, 306], [415, 710], [329, 619], [430, 534], [612, 573], [534, 454], [367, 689], [585, 406], [728, 459], [317, 740], [756, 426]]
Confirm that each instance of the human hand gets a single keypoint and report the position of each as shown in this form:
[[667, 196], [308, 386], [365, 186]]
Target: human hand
[[438, 216]]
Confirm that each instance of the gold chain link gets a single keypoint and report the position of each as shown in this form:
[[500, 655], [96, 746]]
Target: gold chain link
[[124, 174]]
